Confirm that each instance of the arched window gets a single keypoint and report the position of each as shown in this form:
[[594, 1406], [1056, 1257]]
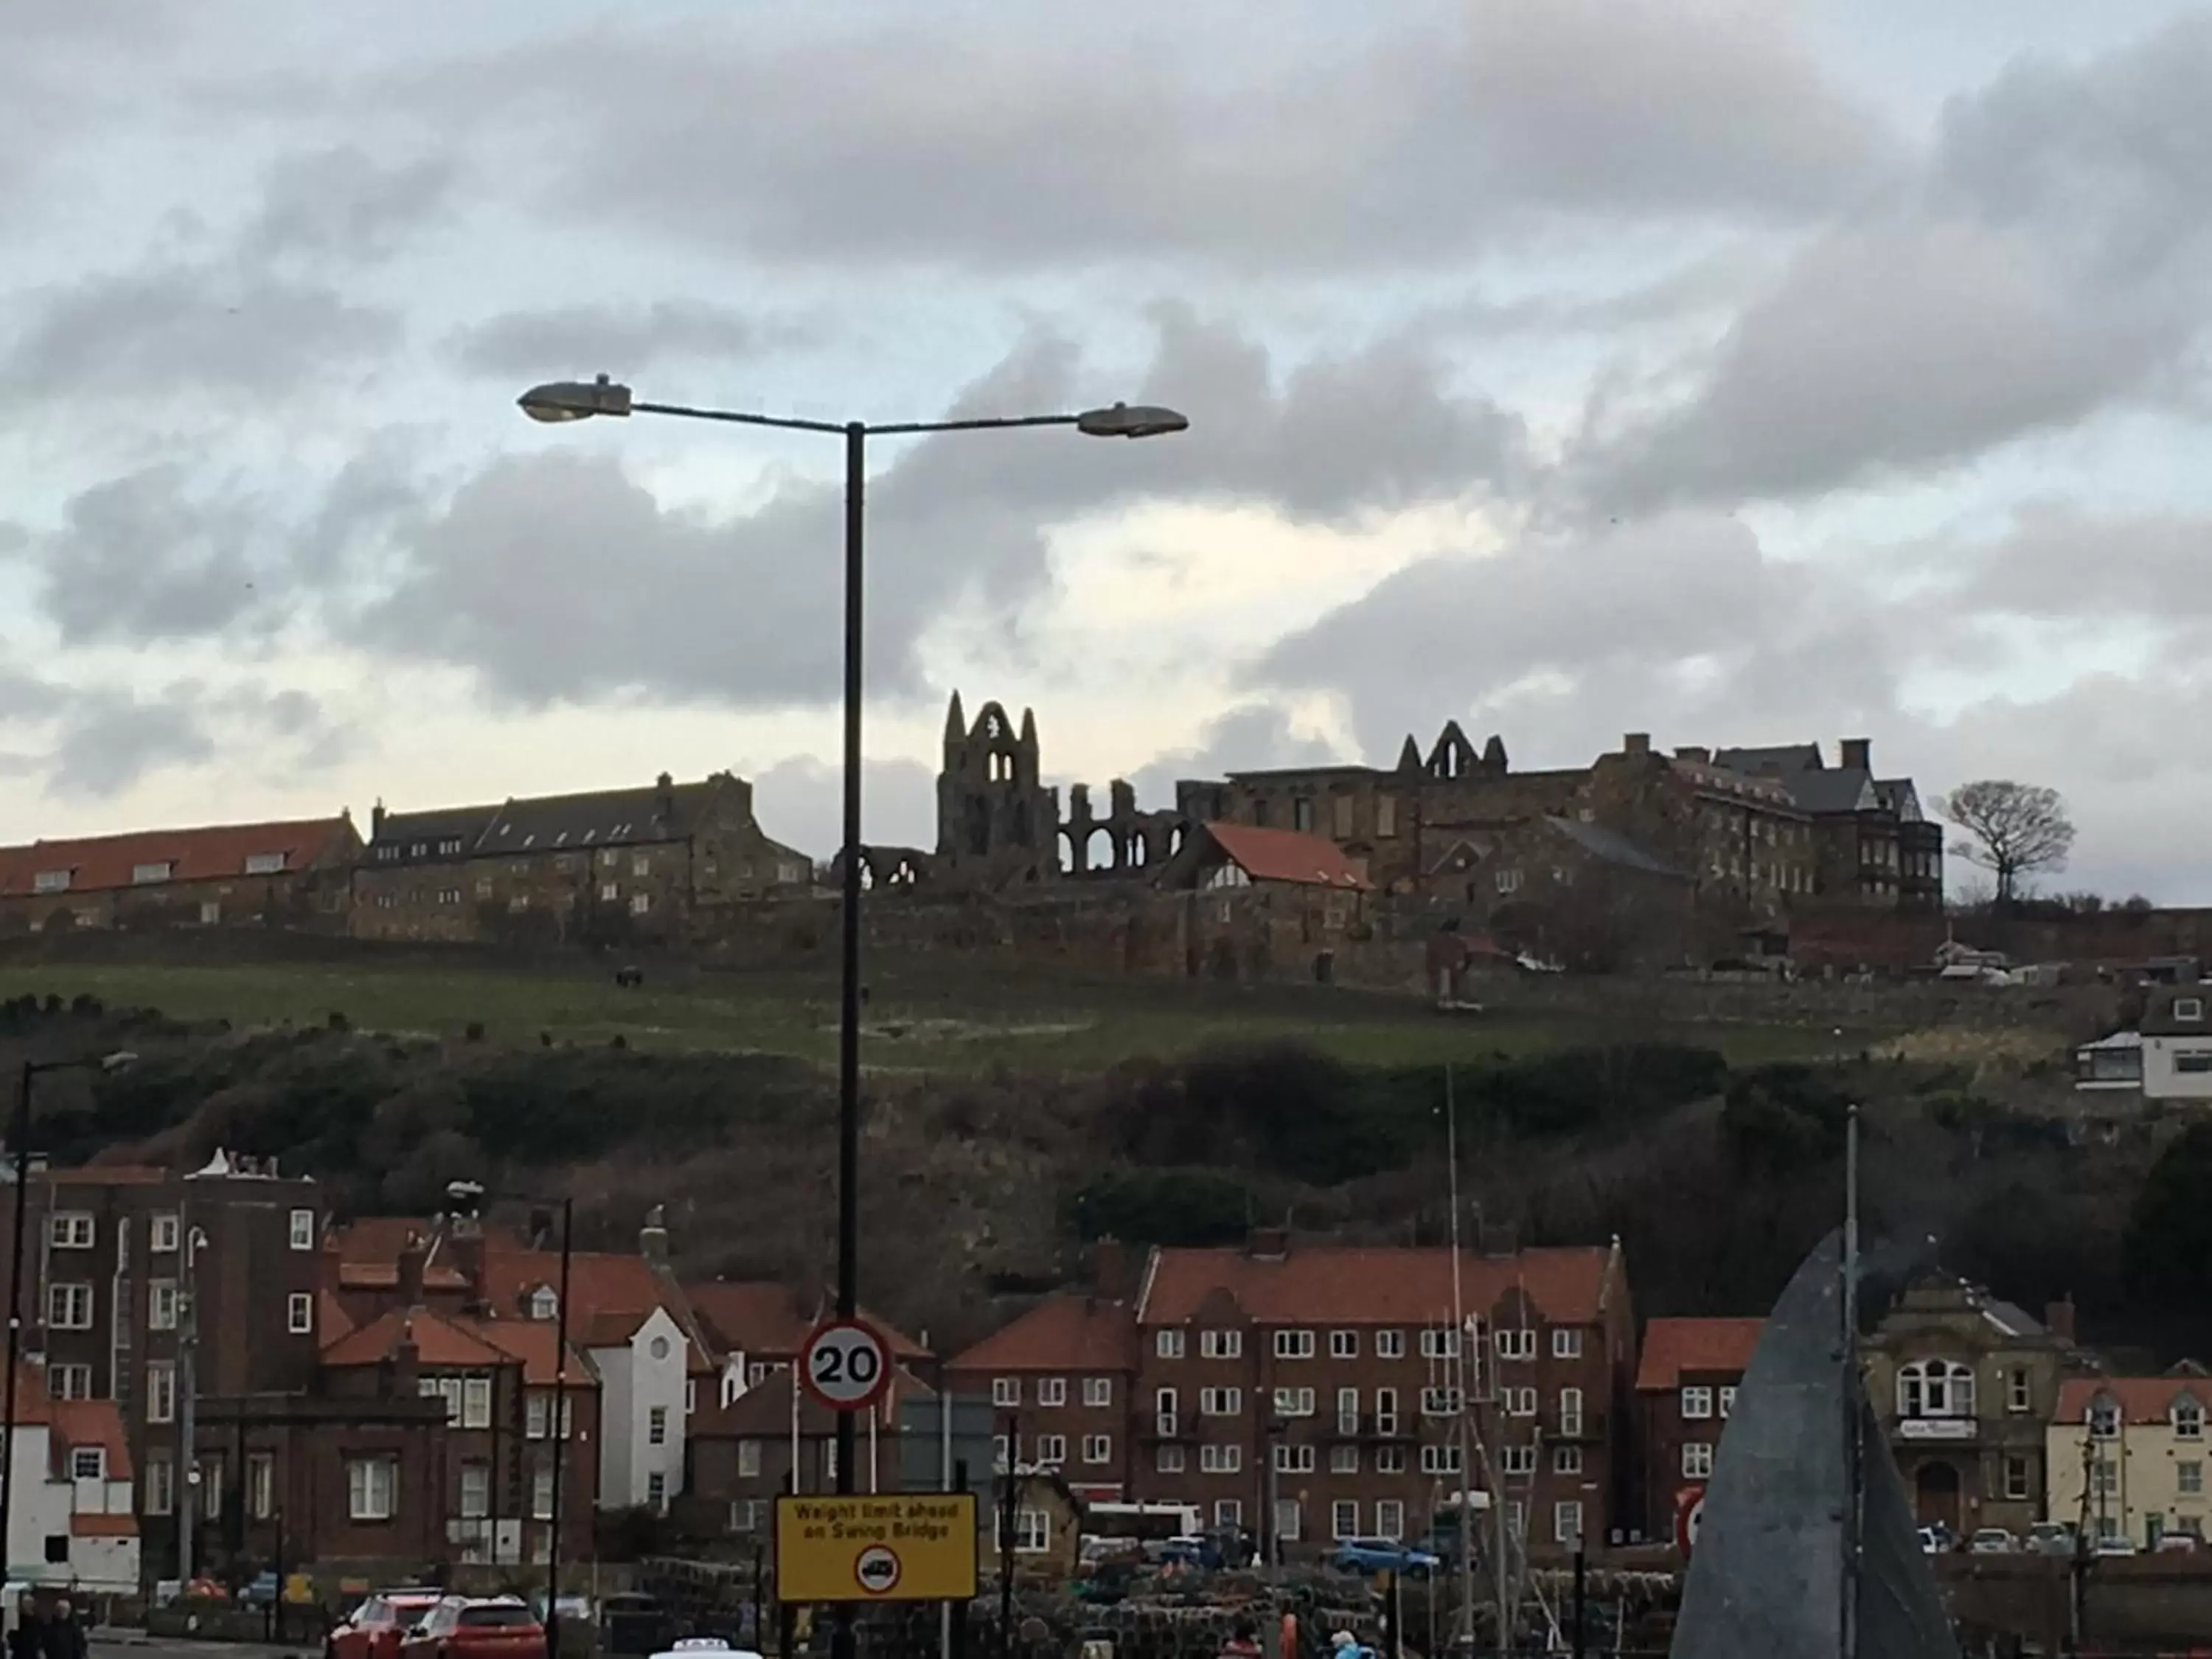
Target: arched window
[[1934, 1388], [2188, 1420], [545, 1303]]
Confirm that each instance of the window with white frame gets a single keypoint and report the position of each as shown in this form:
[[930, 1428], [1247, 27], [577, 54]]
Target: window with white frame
[[1567, 1522], [475, 1491], [1052, 1391], [1518, 1461], [1696, 1460], [1519, 1402], [260, 1485], [1228, 1512], [545, 1306], [1163, 1411], [1725, 1396], [541, 1492], [1293, 1460], [2103, 1420], [2019, 1400], [159, 1496], [1051, 1450], [1697, 1404], [1168, 1344], [656, 1489], [1220, 1402], [1294, 1345], [1006, 1391], [1290, 1520], [1168, 1459], [656, 1425], [2104, 1478], [1440, 1460], [161, 1392], [1389, 1518], [1389, 1345], [2188, 1420], [69, 1381], [69, 1229], [1343, 1459], [2188, 1476], [1934, 1388], [2018, 1477], [300, 1313], [162, 1304], [1098, 1391], [1097, 1447], [1567, 1342], [1566, 1460], [1440, 1402], [476, 1405], [1389, 1460], [998, 1453], [162, 1233], [1347, 1411], [1032, 1531], [1343, 1518], [1386, 1410], [1221, 1345], [302, 1237], [1221, 1459], [69, 1307], [1570, 1411], [2189, 1008], [749, 1459], [372, 1488], [1294, 1402], [88, 1463], [1518, 1343], [1344, 1344], [1439, 1342]]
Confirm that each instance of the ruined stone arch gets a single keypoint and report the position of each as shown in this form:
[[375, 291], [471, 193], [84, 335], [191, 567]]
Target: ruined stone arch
[[1453, 757]]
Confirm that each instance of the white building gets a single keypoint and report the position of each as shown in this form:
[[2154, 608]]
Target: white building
[[2176, 1043], [71, 1521]]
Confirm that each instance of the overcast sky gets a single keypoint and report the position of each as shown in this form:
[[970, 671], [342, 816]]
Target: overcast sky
[[1741, 371]]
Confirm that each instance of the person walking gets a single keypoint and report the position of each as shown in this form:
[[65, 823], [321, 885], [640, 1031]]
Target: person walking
[[63, 1637], [27, 1639]]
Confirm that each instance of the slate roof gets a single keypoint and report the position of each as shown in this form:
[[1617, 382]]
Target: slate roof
[[1835, 789], [1778, 758], [213, 852], [1611, 847], [603, 817], [2160, 1018], [1287, 855]]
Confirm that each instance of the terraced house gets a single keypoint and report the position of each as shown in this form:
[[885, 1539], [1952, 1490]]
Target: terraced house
[[608, 866], [288, 875]]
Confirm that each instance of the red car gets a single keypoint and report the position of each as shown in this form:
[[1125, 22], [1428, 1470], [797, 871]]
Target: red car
[[458, 1628], [374, 1628]]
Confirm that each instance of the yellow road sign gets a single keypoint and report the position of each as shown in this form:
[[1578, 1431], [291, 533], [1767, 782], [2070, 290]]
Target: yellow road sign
[[917, 1546]]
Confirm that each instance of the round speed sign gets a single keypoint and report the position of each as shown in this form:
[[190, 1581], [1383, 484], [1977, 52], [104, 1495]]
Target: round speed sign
[[845, 1365]]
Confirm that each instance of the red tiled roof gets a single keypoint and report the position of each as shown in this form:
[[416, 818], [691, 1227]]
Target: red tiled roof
[[90, 1423], [763, 1411], [610, 1295], [1069, 1331], [33, 1405], [215, 853], [1674, 1347], [1338, 1285], [2140, 1399], [104, 1526], [110, 1174], [534, 1342], [440, 1344], [763, 1320], [331, 1320], [1287, 855]]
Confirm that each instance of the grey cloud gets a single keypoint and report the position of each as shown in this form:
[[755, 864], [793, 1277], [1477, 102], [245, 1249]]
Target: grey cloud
[[109, 742], [342, 204], [2050, 260], [25, 697], [142, 558], [199, 330], [1251, 737], [559, 578], [1149, 132], [801, 801], [106, 738], [564, 342]]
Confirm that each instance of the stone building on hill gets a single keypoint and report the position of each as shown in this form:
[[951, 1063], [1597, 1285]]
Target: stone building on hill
[[289, 875], [611, 866]]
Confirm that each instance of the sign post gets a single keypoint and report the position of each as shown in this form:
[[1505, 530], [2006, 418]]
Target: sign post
[[845, 1365]]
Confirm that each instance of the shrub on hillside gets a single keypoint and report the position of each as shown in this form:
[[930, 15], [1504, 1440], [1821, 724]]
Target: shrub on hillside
[[1162, 1206]]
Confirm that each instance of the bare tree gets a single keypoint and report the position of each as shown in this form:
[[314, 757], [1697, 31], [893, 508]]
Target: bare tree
[[2017, 829]]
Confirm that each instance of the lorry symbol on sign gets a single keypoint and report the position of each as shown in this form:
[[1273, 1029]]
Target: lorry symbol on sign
[[878, 1570]]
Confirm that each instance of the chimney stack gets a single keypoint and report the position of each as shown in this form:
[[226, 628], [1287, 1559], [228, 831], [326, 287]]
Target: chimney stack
[[376, 822], [1268, 1243], [2058, 1316], [1636, 743], [1693, 752], [1858, 754], [653, 1237], [411, 1257], [664, 799], [407, 1364], [1109, 1270]]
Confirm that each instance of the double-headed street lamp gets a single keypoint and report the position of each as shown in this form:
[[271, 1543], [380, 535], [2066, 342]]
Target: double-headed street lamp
[[577, 400]]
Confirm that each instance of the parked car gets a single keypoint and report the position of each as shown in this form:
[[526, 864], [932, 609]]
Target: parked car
[[2179, 1543], [373, 1630], [2118, 1544], [459, 1628], [1365, 1556], [2052, 1538], [1992, 1540], [1188, 1549], [1931, 1541]]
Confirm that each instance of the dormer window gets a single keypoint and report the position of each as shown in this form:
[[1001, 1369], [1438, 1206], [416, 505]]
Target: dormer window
[[545, 1303], [2189, 1008], [2103, 1420], [266, 864], [145, 875], [51, 881], [2188, 1420]]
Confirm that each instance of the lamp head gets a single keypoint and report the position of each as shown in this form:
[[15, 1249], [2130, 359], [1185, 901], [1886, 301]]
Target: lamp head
[[575, 400], [1131, 421]]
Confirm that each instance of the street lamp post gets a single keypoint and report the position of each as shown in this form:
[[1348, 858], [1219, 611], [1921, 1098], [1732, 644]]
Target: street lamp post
[[577, 400]]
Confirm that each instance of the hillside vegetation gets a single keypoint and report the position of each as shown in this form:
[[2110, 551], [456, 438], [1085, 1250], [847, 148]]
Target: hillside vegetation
[[1717, 1169]]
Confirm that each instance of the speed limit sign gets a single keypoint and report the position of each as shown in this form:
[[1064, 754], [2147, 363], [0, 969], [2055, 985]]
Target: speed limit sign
[[845, 1365]]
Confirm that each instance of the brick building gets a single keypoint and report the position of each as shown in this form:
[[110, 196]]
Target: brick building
[[1066, 1374], [613, 866], [129, 1262], [1686, 1384], [291, 875], [1872, 846], [1311, 1392]]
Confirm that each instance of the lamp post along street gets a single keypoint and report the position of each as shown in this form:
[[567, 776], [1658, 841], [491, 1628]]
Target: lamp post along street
[[565, 401]]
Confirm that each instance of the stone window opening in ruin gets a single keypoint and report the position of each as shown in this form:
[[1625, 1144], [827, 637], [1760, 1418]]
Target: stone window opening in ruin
[[1132, 851], [1096, 856], [867, 875]]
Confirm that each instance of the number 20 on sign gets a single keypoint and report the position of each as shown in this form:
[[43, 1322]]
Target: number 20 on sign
[[845, 1365]]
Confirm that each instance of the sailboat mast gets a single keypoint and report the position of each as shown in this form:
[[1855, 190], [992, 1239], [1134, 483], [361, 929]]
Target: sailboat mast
[[1466, 1402], [1854, 1434]]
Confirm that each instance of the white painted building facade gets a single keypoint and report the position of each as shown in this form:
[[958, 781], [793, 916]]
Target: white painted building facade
[[641, 1405]]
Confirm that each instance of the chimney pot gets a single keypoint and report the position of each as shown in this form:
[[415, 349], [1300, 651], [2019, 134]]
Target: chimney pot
[[2059, 1317], [1636, 743], [1269, 1243], [411, 1257]]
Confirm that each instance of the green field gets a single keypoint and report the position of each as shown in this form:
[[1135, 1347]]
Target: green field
[[959, 1018]]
